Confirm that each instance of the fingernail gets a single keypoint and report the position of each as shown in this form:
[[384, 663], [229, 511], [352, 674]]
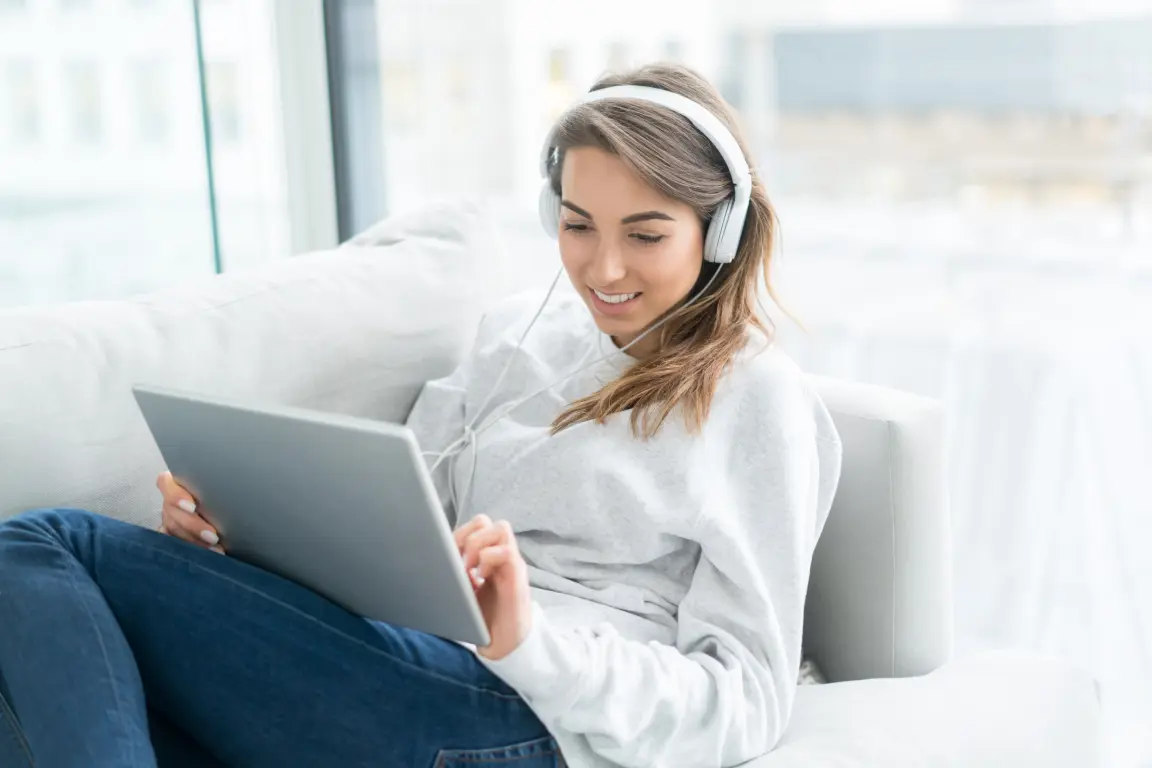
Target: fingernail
[[218, 550], [209, 537], [187, 505]]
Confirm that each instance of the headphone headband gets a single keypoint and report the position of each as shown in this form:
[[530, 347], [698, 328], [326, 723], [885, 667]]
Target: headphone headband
[[727, 225]]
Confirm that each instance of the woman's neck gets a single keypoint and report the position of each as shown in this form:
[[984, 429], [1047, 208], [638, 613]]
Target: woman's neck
[[641, 351]]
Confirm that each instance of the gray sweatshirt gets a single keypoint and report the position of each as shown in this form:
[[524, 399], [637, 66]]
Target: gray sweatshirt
[[668, 575]]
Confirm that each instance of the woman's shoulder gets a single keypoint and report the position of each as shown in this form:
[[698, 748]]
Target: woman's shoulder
[[766, 389], [764, 371]]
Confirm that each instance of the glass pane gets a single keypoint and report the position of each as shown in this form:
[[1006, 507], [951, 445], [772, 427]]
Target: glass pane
[[103, 189], [857, 112], [243, 86], [103, 174]]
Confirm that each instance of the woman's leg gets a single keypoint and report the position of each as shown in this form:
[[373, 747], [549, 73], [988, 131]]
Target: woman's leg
[[99, 614], [14, 750]]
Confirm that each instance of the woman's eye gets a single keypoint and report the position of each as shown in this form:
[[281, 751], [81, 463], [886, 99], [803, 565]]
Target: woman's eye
[[648, 239], [573, 227]]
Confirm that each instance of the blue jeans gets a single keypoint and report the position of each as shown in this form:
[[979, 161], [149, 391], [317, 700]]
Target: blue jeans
[[104, 624]]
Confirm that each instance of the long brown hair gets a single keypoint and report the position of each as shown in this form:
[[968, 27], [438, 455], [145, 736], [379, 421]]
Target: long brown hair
[[667, 152]]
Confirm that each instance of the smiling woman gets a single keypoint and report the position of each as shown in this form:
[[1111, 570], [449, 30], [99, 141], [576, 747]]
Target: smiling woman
[[639, 185], [642, 578]]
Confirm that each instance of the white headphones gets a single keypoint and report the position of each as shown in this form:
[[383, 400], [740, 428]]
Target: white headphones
[[723, 236]]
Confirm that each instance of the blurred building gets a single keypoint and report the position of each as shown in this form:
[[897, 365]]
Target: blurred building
[[471, 87], [1051, 112]]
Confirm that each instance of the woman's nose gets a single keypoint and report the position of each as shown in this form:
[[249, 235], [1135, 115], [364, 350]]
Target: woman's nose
[[608, 265]]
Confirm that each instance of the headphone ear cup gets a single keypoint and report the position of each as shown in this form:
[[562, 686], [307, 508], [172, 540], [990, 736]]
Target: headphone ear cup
[[714, 237], [549, 210]]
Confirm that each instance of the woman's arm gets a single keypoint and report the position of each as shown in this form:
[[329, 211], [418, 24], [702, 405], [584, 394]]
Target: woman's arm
[[724, 693]]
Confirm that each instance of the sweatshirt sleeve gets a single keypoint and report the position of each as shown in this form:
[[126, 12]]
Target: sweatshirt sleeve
[[724, 693]]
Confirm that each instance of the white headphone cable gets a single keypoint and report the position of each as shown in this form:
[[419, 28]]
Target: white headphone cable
[[499, 379], [618, 351], [471, 433]]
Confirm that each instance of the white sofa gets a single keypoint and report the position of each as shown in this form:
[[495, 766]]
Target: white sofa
[[359, 329]]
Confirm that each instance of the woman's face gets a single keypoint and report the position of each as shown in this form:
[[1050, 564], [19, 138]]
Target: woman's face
[[629, 251]]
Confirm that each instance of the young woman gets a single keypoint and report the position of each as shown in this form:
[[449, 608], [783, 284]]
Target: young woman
[[639, 534]]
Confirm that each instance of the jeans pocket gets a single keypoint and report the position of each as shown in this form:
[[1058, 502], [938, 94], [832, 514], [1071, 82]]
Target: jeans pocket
[[539, 753]]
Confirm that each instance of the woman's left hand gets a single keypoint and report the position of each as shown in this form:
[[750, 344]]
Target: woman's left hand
[[500, 581]]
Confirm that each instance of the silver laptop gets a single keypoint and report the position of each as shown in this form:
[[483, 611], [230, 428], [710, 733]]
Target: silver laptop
[[343, 505]]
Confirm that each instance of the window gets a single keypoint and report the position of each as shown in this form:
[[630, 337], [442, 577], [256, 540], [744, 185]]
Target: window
[[560, 89], [224, 101], [359, 115], [402, 105], [558, 66], [619, 57], [82, 91], [732, 83], [1008, 121], [151, 95], [103, 169], [906, 146], [23, 109]]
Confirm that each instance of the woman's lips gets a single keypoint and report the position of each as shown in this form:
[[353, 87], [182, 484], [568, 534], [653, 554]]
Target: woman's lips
[[613, 308]]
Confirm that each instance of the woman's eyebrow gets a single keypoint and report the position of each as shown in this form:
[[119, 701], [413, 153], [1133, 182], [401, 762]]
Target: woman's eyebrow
[[632, 219], [572, 206], [645, 216]]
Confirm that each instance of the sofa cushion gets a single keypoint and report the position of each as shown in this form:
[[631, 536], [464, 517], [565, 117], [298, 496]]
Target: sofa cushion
[[355, 330], [996, 709]]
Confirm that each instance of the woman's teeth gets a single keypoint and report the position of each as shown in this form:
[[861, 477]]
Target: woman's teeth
[[617, 298]]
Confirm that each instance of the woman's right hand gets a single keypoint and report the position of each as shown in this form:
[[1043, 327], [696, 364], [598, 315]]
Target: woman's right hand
[[178, 515], [461, 534]]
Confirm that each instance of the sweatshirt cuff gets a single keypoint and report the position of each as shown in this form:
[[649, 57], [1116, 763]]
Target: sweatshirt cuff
[[538, 664]]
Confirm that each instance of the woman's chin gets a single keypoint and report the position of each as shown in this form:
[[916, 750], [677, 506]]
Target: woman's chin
[[614, 326]]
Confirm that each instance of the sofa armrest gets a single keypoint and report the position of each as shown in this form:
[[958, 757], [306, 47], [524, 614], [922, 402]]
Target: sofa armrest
[[880, 596]]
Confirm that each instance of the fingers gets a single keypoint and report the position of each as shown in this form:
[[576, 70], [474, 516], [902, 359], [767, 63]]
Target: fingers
[[179, 518], [499, 534], [462, 533], [491, 560], [164, 529], [485, 547], [191, 528], [174, 493], [188, 527]]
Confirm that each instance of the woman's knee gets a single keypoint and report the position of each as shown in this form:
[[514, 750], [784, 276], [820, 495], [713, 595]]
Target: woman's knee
[[32, 536], [55, 522]]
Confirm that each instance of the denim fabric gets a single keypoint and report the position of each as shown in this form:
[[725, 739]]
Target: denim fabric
[[102, 621]]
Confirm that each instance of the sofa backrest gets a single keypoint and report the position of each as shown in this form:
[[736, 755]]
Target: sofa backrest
[[358, 330], [354, 330]]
